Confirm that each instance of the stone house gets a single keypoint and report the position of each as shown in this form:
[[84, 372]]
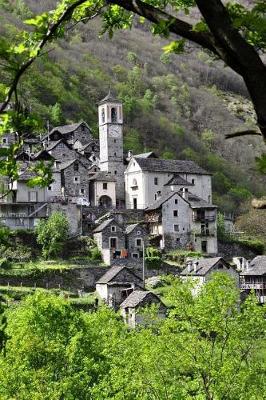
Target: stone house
[[76, 135], [136, 235], [60, 150], [116, 284], [110, 239], [74, 180], [102, 186], [182, 220], [201, 270], [253, 277], [133, 305], [145, 180]]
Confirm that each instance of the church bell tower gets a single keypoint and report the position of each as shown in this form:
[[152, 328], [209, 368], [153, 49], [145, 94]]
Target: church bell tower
[[110, 113]]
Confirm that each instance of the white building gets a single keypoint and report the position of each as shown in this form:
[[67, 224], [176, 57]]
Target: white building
[[147, 178]]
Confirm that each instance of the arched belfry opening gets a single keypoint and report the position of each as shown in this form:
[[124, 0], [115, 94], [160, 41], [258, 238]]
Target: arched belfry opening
[[113, 114]]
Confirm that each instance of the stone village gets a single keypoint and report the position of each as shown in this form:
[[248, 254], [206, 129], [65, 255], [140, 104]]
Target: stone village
[[124, 201]]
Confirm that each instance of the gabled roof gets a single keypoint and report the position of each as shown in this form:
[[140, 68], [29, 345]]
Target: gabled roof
[[150, 154], [95, 141], [53, 144], [130, 228], [162, 199], [67, 164], [172, 166], [202, 266], [114, 271], [178, 180], [256, 267], [65, 129], [139, 298], [104, 224], [102, 176], [26, 175], [40, 154], [197, 202]]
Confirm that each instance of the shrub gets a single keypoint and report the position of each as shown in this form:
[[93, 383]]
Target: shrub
[[179, 256], [153, 257], [5, 263]]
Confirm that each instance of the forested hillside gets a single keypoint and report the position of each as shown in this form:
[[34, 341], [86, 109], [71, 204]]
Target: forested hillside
[[180, 106]]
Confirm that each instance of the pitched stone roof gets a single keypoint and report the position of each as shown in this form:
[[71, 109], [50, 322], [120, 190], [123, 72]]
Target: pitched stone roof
[[64, 129], [162, 199], [40, 154], [103, 225], [102, 176], [201, 266], [150, 154], [67, 164], [256, 267], [130, 228], [178, 180], [114, 271], [109, 98], [139, 298], [196, 202], [53, 144], [174, 166]]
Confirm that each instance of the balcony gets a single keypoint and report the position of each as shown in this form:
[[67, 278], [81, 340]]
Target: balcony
[[203, 218], [206, 232], [255, 286]]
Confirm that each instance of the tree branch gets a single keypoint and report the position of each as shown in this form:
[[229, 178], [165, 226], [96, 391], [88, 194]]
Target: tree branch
[[176, 25]]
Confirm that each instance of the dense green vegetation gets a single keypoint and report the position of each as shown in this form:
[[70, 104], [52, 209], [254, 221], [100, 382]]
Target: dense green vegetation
[[207, 348], [178, 107]]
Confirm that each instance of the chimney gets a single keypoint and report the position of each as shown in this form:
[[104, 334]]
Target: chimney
[[130, 154], [185, 193], [195, 264], [189, 265], [172, 188]]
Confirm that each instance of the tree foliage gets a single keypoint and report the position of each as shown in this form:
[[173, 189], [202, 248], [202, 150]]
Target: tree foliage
[[207, 348], [52, 234]]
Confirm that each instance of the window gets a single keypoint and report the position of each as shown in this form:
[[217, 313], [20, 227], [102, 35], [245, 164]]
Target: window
[[135, 255], [156, 181], [138, 232], [193, 181], [92, 148], [76, 167], [113, 114], [50, 187], [113, 243], [115, 172], [178, 240], [175, 213], [103, 115], [176, 201], [155, 196], [138, 242], [83, 127], [113, 228], [104, 186], [5, 140], [114, 140], [176, 228], [135, 203], [82, 191], [115, 154], [76, 179]]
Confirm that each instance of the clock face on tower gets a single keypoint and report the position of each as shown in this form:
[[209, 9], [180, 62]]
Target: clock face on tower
[[114, 131]]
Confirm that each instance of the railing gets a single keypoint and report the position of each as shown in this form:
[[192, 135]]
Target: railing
[[199, 218], [257, 286], [206, 232]]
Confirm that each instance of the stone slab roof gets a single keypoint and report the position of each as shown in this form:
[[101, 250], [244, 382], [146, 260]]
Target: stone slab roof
[[103, 225], [150, 154], [201, 266], [109, 98], [139, 298], [130, 228], [102, 176], [113, 272], [174, 166], [178, 180], [256, 267], [197, 202], [53, 144], [162, 199], [67, 164]]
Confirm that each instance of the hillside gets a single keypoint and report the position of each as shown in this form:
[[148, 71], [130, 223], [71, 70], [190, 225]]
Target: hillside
[[179, 106]]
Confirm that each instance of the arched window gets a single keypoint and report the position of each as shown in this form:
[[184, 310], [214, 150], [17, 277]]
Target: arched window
[[103, 115], [113, 114]]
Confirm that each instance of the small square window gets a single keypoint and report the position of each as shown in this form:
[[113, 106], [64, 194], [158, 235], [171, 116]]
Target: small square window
[[82, 191], [104, 186], [114, 140], [113, 228], [76, 179], [138, 242], [156, 181], [177, 240], [4, 140], [50, 187], [175, 212], [176, 228]]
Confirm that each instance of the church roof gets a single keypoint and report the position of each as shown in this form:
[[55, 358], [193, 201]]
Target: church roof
[[170, 166], [109, 98]]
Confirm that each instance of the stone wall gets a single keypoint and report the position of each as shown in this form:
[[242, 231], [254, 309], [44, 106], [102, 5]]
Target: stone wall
[[70, 279], [230, 250]]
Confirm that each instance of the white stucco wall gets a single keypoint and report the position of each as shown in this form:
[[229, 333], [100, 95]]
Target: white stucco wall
[[110, 192]]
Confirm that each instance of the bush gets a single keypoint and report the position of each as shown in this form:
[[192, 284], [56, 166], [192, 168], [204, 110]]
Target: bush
[[153, 257], [179, 256], [95, 254], [5, 263]]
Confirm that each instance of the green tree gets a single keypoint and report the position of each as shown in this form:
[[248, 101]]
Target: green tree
[[52, 234]]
